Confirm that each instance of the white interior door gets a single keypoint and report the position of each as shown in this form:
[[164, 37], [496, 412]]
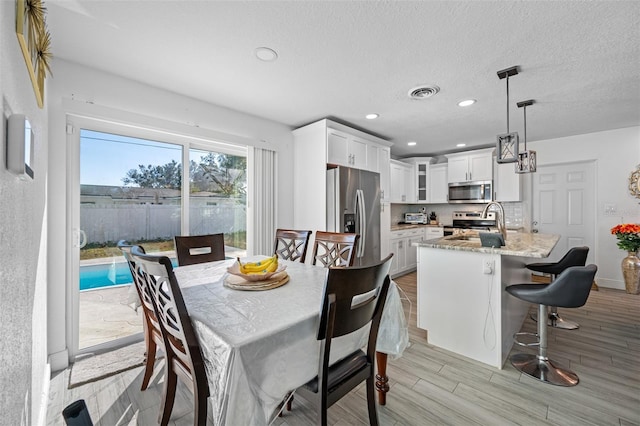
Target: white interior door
[[564, 204]]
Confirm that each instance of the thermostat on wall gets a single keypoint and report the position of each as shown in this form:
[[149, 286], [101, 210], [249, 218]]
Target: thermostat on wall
[[20, 146]]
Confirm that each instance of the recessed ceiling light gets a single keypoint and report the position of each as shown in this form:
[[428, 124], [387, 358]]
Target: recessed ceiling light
[[460, 145], [372, 116], [466, 102], [411, 143], [266, 54]]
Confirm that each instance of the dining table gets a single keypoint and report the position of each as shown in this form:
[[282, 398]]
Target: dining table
[[259, 346]]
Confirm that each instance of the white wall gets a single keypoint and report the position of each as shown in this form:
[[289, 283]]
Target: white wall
[[616, 153], [95, 93], [23, 246]]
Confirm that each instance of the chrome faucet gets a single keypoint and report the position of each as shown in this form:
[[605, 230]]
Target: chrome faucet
[[499, 220]]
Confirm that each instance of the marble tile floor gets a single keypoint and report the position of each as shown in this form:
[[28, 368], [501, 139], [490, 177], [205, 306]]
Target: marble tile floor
[[430, 386]]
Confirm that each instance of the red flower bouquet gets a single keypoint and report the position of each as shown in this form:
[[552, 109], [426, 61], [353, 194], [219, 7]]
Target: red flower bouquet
[[628, 235]]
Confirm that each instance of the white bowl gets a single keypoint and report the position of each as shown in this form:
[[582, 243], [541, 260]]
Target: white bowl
[[235, 270]]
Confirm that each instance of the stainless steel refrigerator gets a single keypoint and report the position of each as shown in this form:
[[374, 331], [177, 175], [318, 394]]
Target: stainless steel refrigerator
[[353, 205]]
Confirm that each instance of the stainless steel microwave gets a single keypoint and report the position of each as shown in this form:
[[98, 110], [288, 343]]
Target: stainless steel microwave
[[470, 192]]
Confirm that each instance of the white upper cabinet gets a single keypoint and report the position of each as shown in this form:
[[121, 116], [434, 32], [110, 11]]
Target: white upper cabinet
[[384, 157], [470, 166], [420, 178], [344, 149], [458, 170], [358, 151], [337, 147], [507, 183], [402, 187], [328, 142], [438, 183]]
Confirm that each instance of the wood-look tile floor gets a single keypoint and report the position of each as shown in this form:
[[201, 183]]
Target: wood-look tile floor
[[430, 386]]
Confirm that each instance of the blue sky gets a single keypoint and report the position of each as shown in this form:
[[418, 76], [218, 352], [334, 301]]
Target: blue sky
[[106, 158]]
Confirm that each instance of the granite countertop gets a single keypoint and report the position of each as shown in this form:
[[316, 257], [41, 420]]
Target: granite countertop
[[399, 227], [517, 244]]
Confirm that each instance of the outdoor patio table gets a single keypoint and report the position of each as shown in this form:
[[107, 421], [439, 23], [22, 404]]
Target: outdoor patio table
[[258, 346]]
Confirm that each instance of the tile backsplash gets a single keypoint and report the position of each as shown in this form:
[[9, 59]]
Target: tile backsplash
[[516, 214]]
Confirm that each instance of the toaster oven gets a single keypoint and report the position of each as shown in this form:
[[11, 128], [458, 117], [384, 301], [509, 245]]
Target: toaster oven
[[415, 218]]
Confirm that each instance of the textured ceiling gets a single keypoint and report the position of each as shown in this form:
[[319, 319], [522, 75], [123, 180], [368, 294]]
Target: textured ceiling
[[579, 61]]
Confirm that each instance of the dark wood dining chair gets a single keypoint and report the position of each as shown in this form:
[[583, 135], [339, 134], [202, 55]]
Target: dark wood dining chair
[[334, 248], [353, 297], [150, 325], [182, 348], [199, 248], [291, 244]]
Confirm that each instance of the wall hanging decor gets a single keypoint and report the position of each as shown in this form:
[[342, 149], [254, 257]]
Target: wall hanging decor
[[507, 143], [527, 161], [35, 43], [634, 182]]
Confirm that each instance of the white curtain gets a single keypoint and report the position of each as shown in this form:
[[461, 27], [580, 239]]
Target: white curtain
[[262, 179]]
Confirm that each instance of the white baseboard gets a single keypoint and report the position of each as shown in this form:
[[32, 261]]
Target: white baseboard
[[607, 283]]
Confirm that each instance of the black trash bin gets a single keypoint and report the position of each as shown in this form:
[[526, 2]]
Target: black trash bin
[[77, 414]]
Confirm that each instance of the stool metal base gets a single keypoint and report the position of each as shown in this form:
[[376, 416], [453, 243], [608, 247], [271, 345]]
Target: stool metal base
[[556, 321], [544, 369]]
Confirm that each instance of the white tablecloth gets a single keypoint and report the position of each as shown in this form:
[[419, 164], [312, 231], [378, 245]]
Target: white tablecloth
[[260, 345]]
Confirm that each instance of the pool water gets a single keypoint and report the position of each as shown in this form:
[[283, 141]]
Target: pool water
[[106, 275]]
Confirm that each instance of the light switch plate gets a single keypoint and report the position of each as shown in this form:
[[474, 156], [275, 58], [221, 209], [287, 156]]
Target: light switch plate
[[610, 209]]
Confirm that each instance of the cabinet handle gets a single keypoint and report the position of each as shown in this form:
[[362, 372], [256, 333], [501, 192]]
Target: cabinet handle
[[382, 195], [470, 178]]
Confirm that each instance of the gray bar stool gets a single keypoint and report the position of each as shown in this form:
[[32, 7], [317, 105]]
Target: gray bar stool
[[570, 290], [577, 256]]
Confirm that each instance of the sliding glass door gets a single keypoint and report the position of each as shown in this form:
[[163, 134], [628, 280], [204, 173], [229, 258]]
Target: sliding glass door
[[136, 189], [130, 189], [218, 198]]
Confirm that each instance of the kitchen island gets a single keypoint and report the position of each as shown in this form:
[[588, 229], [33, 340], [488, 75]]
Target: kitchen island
[[462, 302]]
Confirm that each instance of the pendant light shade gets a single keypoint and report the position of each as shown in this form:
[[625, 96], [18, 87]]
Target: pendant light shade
[[527, 161], [507, 143]]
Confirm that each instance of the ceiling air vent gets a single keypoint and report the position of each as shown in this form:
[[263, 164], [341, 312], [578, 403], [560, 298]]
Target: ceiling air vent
[[423, 92]]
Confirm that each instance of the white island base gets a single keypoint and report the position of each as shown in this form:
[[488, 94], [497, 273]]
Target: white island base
[[463, 305]]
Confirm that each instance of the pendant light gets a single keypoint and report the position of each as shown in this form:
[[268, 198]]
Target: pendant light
[[507, 143], [526, 159]]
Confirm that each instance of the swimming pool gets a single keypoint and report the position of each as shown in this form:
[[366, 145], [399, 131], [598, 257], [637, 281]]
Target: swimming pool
[[106, 275]]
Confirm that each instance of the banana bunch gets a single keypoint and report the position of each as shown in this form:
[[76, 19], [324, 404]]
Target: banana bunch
[[260, 267]]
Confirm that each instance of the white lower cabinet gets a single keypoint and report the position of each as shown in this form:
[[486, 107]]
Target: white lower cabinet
[[404, 254], [433, 232]]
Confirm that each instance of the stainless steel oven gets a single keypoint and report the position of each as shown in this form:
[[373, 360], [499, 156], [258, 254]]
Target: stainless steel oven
[[464, 221], [470, 192]]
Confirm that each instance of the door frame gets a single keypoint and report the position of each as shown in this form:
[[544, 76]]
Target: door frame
[[74, 123]]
